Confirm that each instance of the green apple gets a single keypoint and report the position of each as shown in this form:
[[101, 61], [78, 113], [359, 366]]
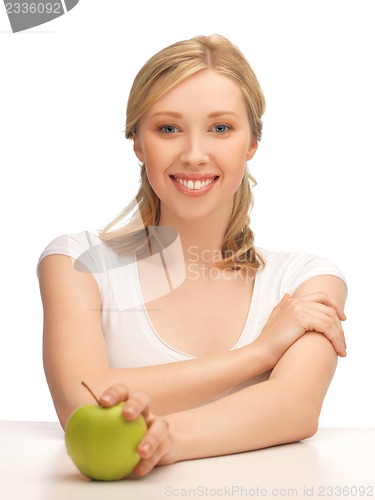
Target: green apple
[[101, 443]]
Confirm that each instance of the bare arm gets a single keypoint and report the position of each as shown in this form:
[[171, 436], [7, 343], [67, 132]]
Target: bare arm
[[74, 350], [283, 409]]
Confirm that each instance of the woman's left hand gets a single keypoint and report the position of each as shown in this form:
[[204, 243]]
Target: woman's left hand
[[157, 447]]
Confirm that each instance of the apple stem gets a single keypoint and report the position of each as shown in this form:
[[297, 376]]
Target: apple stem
[[90, 391]]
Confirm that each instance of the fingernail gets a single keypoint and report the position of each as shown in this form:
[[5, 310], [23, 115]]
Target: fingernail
[[106, 398], [140, 469], [129, 411], [146, 448]]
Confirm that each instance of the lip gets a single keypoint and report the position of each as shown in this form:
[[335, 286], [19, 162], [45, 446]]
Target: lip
[[194, 192]]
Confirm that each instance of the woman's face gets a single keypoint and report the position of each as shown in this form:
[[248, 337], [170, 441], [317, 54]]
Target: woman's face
[[195, 141]]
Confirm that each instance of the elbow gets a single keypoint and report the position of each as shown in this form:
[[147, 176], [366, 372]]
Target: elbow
[[301, 419], [63, 415], [63, 419], [308, 423], [310, 429], [300, 430]]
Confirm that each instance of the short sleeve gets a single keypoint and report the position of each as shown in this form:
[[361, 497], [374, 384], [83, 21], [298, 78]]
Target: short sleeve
[[303, 266], [82, 248]]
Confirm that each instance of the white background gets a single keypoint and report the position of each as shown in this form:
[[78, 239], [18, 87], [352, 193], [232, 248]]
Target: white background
[[66, 167]]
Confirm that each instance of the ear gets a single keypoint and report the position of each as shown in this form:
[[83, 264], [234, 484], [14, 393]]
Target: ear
[[138, 148], [253, 146]]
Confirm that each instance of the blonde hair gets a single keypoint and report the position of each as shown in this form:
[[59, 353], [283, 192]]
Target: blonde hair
[[160, 74]]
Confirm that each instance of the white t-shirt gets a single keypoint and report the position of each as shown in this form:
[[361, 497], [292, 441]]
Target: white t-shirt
[[130, 337]]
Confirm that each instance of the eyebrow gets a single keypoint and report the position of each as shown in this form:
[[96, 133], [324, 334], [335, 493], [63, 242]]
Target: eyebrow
[[214, 114], [169, 113], [221, 113]]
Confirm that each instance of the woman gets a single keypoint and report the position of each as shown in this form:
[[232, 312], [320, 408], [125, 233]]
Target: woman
[[177, 312]]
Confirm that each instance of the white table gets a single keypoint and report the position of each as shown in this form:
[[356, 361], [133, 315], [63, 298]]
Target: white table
[[335, 463]]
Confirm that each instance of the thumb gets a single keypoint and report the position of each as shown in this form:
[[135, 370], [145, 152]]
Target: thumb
[[286, 297]]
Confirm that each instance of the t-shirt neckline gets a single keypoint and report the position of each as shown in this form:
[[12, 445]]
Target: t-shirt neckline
[[242, 340]]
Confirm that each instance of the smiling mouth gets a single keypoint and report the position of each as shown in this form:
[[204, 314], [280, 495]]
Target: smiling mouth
[[194, 184]]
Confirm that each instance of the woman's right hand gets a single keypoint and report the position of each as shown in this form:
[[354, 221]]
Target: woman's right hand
[[157, 447], [293, 317]]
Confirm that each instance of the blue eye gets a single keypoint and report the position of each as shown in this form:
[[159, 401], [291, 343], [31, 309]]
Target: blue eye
[[168, 129], [221, 128]]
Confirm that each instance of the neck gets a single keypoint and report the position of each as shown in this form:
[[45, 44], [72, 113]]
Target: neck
[[201, 238]]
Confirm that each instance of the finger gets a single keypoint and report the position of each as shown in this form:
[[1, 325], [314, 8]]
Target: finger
[[156, 434], [330, 327], [339, 345], [323, 309], [137, 403], [113, 395], [146, 465], [285, 298], [152, 447], [329, 301], [326, 299], [330, 312]]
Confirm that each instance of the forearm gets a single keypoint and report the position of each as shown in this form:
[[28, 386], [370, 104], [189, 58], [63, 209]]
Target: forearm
[[281, 410], [182, 385], [257, 417], [172, 387]]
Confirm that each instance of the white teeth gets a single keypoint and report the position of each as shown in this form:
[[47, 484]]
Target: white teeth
[[194, 185]]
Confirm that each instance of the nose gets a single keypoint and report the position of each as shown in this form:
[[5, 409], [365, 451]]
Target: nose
[[195, 151]]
